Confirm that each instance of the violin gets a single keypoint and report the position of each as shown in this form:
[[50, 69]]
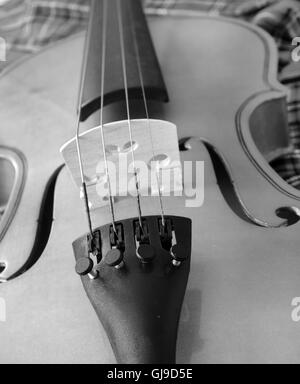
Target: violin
[[201, 270]]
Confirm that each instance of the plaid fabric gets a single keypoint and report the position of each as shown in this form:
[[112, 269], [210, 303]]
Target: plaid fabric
[[294, 114], [239, 8], [288, 167], [29, 25]]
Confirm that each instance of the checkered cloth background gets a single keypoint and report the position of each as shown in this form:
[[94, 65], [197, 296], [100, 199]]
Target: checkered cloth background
[[29, 25]]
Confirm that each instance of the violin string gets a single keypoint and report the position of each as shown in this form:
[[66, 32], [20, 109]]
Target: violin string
[[124, 67], [139, 65], [83, 183], [103, 68], [79, 153]]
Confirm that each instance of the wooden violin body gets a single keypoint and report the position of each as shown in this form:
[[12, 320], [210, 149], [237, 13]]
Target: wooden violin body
[[226, 103]]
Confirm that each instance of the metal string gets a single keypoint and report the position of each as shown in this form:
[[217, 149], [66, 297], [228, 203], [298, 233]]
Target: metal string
[[124, 67], [139, 64], [79, 155], [78, 147], [103, 67]]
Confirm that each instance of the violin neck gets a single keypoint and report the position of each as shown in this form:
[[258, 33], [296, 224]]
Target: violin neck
[[114, 23]]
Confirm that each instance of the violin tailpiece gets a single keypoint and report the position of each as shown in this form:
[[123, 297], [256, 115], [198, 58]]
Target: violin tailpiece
[[137, 288]]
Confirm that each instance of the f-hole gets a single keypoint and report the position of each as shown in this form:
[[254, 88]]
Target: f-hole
[[291, 215]]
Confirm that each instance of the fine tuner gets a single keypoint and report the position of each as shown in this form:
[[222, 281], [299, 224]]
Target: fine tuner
[[145, 250]]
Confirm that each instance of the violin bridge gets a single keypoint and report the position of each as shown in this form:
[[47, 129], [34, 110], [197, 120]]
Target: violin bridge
[[153, 153]]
